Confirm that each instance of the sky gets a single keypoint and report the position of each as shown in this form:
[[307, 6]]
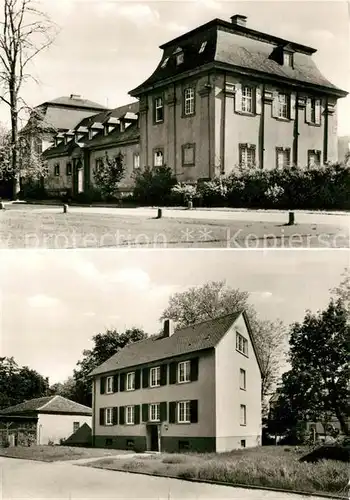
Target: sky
[[53, 302], [105, 48]]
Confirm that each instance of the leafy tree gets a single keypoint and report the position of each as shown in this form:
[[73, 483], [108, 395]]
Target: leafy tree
[[317, 386], [19, 383], [342, 291], [108, 173], [105, 345], [153, 185], [215, 299], [65, 389]]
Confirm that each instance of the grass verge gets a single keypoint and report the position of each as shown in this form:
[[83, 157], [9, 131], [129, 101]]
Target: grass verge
[[266, 467], [56, 453]]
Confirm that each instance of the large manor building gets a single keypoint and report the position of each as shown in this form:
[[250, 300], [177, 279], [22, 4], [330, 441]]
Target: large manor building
[[222, 95]]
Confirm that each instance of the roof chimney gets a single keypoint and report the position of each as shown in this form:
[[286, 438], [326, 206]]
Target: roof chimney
[[239, 20], [168, 328], [75, 96]]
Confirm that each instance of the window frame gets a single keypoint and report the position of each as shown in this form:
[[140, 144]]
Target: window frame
[[247, 99], [243, 421], [56, 170], [157, 412], [152, 370], [75, 428], [165, 62], [288, 59], [156, 108], [187, 372], [180, 58], [244, 349], [283, 151], [190, 100], [186, 412], [155, 151], [69, 169], [250, 149], [183, 149], [132, 421], [136, 155], [285, 105], [243, 386], [109, 380], [202, 47], [314, 152], [130, 375], [108, 412]]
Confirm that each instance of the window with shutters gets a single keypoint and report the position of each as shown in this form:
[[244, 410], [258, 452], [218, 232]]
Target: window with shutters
[[241, 344], [158, 109], [243, 415], [247, 155], [188, 99], [242, 379], [109, 416], [130, 415], [283, 106], [158, 158], [154, 412], [282, 157], [130, 381], [109, 385], [313, 158], [313, 111], [184, 412], [155, 376], [247, 99], [183, 372]]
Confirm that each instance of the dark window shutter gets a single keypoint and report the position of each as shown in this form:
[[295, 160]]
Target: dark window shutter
[[115, 383], [163, 374], [172, 373], [137, 379], [121, 415], [145, 378], [102, 385], [172, 412], [102, 416], [122, 382], [137, 414], [163, 411], [144, 413], [194, 411], [194, 370], [115, 416]]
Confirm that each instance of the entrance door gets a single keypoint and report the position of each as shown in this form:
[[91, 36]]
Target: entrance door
[[154, 440]]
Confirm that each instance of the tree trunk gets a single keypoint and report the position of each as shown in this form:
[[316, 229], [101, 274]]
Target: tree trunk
[[14, 142]]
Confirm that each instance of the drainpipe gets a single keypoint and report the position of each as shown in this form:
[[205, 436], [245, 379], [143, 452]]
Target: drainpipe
[[325, 137], [93, 412], [296, 131], [262, 127], [223, 138], [174, 116]]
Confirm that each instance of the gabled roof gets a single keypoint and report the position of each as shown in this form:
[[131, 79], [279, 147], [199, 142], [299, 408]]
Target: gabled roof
[[187, 340], [48, 404], [237, 48], [75, 101]]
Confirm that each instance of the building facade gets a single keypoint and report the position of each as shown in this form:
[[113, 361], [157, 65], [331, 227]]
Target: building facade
[[42, 421], [171, 392], [225, 95]]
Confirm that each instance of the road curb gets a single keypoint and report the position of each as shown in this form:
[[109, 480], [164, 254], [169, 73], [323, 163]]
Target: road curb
[[219, 483]]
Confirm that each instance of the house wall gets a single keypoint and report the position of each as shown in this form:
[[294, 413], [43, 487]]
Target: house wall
[[53, 427], [177, 129], [229, 396], [201, 434], [128, 150]]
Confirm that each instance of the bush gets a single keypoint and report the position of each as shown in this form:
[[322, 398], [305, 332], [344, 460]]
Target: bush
[[91, 195], [32, 191], [213, 193], [183, 193], [153, 186]]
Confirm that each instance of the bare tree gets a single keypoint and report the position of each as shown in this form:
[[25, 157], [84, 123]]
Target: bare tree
[[25, 31]]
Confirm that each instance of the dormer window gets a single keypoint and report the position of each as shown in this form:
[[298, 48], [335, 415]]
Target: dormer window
[[180, 58], [165, 62], [202, 47], [288, 59]]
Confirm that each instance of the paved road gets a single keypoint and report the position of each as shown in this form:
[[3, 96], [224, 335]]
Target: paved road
[[273, 216], [28, 479]]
